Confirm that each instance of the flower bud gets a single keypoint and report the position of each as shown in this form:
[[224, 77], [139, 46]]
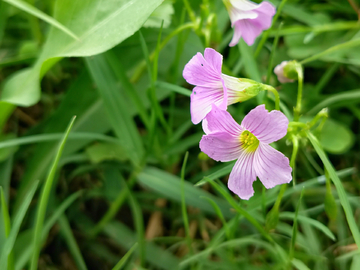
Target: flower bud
[[287, 71]]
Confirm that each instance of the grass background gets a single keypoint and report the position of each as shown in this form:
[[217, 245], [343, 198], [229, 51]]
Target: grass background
[[123, 193]]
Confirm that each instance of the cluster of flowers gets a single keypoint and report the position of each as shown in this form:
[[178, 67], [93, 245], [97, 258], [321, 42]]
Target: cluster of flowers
[[226, 140]]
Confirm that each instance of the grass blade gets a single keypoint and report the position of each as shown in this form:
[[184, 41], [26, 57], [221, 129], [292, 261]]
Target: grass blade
[[7, 226], [313, 222], [348, 97], [25, 255], [344, 200], [123, 260], [234, 204], [9, 243], [70, 240], [339, 47], [183, 204], [44, 200]]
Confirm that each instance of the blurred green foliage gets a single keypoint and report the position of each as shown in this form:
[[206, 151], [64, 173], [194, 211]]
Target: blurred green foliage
[[117, 65]]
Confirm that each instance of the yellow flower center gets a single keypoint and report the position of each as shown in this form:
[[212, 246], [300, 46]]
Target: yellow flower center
[[248, 141]]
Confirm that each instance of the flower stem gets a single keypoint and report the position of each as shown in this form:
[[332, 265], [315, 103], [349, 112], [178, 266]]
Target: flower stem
[[142, 66], [190, 11], [267, 32], [276, 94], [293, 157], [297, 109]]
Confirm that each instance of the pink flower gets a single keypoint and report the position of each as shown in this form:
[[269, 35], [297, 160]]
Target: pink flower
[[226, 140], [213, 87], [249, 19]]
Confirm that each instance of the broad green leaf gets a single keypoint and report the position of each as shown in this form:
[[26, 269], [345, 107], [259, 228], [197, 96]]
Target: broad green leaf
[[98, 30], [168, 185], [299, 264], [247, 55], [335, 137], [345, 98], [162, 13], [115, 105], [91, 117], [355, 265], [41, 15]]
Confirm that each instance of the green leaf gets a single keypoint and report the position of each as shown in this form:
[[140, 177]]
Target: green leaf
[[299, 264], [41, 15], [251, 67], [98, 30], [168, 185], [335, 137], [105, 151], [116, 104], [162, 13], [344, 200], [347, 97]]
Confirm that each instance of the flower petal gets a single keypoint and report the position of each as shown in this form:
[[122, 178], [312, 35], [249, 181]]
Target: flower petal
[[266, 12], [267, 126], [238, 89], [201, 101], [237, 14], [221, 121], [242, 176], [236, 36], [221, 146], [243, 4], [204, 71], [249, 30], [271, 166]]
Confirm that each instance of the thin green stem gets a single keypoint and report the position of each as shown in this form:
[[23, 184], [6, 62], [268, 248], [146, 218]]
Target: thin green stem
[[115, 206], [267, 32], [190, 11], [295, 142], [142, 66], [183, 204], [270, 65], [323, 114], [276, 94], [297, 109]]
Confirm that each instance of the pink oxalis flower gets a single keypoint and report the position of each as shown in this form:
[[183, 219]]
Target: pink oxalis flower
[[279, 71], [249, 19], [213, 87], [226, 140]]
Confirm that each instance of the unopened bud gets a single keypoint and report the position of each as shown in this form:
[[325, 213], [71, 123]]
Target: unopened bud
[[287, 71]]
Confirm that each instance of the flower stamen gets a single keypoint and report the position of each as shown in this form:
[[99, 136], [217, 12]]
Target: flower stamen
[[248, 141]]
